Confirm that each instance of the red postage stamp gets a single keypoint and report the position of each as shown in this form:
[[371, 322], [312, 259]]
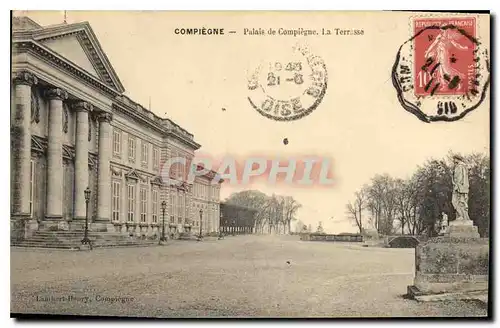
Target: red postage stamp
[[444, 53]]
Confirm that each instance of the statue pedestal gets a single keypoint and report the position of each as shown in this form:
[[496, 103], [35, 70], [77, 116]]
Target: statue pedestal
[[451, 266], [462, 228]]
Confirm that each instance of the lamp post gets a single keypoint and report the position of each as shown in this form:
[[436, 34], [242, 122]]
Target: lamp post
[[86, 240], [163, 208], [201, 222], [221, 235]]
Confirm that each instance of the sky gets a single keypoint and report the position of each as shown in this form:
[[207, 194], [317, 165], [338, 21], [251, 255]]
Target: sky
[[359, 124]]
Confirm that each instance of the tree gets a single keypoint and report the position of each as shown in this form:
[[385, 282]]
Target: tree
[[382, 202], [355, 210], [275, 211], [418, 203], [405, 203], [434, 194], [299, 226], [291, 206], [252, 199]]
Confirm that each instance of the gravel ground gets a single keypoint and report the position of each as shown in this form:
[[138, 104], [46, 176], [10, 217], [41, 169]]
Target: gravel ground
[[242, 276]]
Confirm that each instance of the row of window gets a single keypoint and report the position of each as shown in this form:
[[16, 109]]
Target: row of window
[[132, 149], [131, 202], [207, 192], [179, 212], [210, 215]]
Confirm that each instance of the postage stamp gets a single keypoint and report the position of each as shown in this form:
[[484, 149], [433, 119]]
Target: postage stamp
[[442, 72], [287, 90]]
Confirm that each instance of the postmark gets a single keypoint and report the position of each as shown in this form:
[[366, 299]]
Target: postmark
[[288, 89], [442, 72]]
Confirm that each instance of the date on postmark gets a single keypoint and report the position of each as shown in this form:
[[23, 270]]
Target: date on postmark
[[443, 71], [288, 89]]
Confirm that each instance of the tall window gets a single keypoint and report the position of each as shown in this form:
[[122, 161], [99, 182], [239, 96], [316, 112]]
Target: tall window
[[144, 153], [156, 158], [131, 148], [179, 207], [172, 206], [144, 203], [117, 142], [32, 187], [155, 205], [115, 205], [186, 210], [130, 202]]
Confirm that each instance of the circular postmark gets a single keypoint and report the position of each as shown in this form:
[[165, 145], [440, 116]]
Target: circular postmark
[[287, 90], [443, 71]]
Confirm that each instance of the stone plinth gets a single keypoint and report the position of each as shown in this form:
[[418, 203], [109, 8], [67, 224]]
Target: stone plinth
[[102, 226], [460, 228], [55, 224], [451, 265]]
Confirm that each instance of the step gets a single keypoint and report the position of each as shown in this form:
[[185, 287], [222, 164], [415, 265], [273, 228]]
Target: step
[[40, 245], [77, 246], [80, 235]]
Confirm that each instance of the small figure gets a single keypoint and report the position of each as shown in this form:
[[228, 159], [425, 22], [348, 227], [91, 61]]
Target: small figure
[[444, 223]]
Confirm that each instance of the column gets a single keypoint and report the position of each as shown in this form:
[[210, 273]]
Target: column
[[104, 171], [21, 136], [82, 109], [54, 154]]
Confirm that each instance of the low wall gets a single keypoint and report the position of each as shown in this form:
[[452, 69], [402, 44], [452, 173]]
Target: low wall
[[327, 237]]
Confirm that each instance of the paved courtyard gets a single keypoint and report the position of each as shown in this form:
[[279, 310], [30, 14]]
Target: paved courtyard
[[241, 276]]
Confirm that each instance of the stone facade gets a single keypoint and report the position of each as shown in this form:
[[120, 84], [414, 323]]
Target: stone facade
[[73, 128], [206, 198]]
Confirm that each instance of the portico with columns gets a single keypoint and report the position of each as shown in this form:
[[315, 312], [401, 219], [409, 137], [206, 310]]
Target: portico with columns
[[72, 128], [60, 127]]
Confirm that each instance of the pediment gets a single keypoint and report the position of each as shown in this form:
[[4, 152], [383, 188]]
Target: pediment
[[132, 174], [157, 180], [78, 44], [70, 48]]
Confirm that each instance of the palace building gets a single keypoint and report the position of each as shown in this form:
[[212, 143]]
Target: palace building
[[72, 128]]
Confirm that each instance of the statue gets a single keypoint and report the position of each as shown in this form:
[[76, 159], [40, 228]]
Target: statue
[[444, 223], [460, 196]]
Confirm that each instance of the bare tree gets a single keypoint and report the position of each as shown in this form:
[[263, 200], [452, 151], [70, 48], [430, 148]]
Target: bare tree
[[355, 210], [274, 213], [291, 207]]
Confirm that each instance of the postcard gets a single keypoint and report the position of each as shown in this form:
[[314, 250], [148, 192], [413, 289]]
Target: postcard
[[250, 164]]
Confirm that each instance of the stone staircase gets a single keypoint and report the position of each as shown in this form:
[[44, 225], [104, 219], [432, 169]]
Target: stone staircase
[[73, 240]]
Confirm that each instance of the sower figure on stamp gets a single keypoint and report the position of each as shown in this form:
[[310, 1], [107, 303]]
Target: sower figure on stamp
[[460, 196]]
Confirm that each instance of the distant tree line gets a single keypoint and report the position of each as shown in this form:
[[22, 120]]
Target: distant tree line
[[415, 205], [274, 213]]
